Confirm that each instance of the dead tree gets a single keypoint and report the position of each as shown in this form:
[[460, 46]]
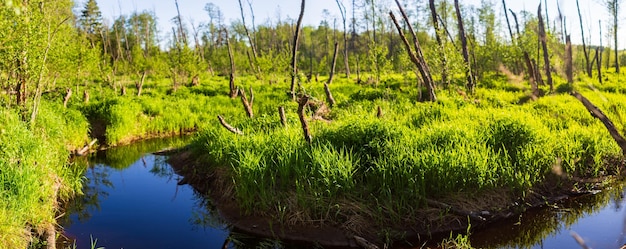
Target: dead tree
[[139, 85], [585, 51], [599, 64], [294, 53], [181, 30], [508, 23], [568, 60], [544, 46], [441, 52], [597, 113], [253, 60], [302, 103], [329, 96], [68, 94], [532, 74], [246, 104], [334, 63], [417, 57], [231, 84], [281, 113], [463, 38], [342, 10]]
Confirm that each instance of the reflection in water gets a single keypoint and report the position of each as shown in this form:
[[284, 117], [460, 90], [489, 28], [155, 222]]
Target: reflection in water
[[599, 219], [131, 200]]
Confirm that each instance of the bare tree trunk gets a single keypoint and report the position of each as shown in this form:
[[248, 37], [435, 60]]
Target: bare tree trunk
[[441, 52], [140, 84], [599, 64], [342, 10], [513, 40], [568, 60], [68, 94], [544, 46], [253, 60], [281, 113], [302, 103], [247, 106], [585, 51], [419, 63], [329, 96], [181, 31], [231, 84], [332, 66], [353, 39], [537, 72], [508, 23], [468, 69], [294, 54], [615, 7]]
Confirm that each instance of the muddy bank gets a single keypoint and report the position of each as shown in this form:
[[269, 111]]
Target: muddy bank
[[431, 224]]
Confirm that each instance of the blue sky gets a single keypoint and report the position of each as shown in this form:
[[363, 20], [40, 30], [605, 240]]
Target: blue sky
[[193, 10]]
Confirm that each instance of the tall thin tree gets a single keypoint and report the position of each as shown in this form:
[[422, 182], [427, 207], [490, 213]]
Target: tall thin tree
[[342, 10], [544, 46], [294, 52], [441, 49], [582, 33], [463, 38]]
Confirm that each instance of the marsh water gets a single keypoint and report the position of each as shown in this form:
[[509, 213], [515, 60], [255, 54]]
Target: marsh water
[[132, 200]]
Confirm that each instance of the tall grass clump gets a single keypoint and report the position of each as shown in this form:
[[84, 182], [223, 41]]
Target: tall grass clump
[[390, 166], [33, 170]]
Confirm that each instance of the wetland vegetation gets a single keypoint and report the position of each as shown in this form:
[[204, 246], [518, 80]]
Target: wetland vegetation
[[462, 131]]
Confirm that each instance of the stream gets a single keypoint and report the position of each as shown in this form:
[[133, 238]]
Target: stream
[[132, 200]]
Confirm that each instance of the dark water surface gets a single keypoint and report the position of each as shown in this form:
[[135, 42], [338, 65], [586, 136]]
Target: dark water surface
[[132, 200], [600, 220]]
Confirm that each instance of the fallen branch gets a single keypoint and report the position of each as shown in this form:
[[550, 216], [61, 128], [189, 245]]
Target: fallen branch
[[84, 150], [229, 127], [597, 113]]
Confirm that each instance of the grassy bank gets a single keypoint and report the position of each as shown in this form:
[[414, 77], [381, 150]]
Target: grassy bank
[[34, 172], [364, 173]]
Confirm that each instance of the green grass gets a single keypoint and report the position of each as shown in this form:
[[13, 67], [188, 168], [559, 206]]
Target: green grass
[[385, 168], [382, 169], [33, 166]]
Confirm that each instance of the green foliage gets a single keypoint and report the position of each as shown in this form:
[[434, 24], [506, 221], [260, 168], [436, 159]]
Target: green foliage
[[32, 169], [416, 151]]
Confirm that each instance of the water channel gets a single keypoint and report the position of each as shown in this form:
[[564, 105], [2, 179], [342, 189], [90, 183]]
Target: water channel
[[132, 200]]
